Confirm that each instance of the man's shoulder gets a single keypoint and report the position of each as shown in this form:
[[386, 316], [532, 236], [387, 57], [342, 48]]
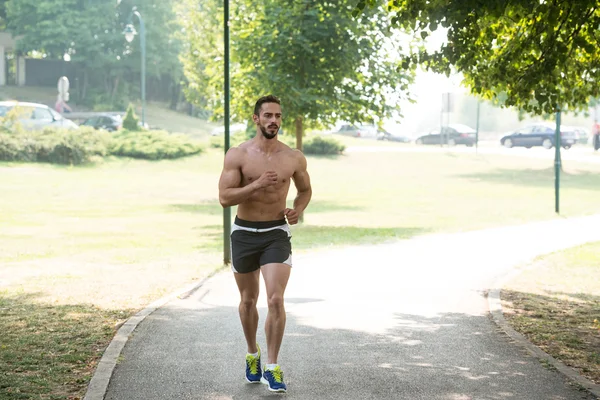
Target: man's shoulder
[[296, 153], [287, 149], [238, 150], [236, 154]]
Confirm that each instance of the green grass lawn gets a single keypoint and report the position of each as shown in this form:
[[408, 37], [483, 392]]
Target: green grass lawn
[[160, 117], [88, 246], [555, 303], [44, 95]]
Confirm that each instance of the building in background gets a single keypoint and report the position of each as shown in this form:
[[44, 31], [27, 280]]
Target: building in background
[[12, 66]]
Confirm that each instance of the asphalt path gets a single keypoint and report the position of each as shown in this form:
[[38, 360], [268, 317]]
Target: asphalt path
[[580, 153], [404, 320]]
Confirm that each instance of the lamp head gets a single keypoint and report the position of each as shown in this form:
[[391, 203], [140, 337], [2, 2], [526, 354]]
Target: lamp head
[[129, 32]]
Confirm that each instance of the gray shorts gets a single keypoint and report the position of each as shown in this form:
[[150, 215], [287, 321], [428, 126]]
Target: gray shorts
[[256, 243]]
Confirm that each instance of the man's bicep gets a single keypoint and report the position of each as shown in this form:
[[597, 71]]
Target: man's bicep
[[301, 177], [231, 177], [302, 181]]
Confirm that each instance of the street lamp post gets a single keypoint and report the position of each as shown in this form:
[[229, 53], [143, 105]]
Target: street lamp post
[[226, 210], [130, 33], [557, 162]]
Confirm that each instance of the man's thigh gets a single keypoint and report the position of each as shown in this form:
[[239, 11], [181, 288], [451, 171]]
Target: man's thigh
[[276, 276], [248, 284]]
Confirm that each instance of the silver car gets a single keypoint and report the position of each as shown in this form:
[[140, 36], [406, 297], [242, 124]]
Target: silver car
[[360, 131], [36, 116]]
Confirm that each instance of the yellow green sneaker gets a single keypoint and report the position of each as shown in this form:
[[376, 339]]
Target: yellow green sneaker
[[274, 379], [253, 369]]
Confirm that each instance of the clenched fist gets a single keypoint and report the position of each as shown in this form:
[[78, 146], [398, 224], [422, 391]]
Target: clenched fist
[[291, 215], [268, 178]]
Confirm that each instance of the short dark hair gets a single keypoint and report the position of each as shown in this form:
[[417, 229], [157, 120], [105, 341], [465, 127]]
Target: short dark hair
[[265, 99]]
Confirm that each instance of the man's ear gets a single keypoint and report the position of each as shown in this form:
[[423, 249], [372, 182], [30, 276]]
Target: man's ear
[[255, 118]]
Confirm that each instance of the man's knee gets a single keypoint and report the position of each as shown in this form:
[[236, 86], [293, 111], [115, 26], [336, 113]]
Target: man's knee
[[249, 301], [275, 301]]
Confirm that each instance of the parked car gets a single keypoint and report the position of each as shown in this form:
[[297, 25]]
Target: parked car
[[36, 116], [542, 134], [108, 122], [452, 135], [392, 137], [582, 134], [362, 131]]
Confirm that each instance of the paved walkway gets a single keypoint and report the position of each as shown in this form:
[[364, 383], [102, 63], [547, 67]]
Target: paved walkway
[[397, 321], [581, 153]]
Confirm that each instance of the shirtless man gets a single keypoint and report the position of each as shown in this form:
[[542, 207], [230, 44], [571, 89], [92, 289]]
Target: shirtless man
[[256, 176]]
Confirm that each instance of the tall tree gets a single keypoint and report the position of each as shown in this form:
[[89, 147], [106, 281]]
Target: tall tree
[[534, 54], [3, 14], [323, 64], [91, 32], [202, 38]]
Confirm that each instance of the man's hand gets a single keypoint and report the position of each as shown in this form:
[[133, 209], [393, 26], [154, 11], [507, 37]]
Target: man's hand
[[291, 215], [268, 178]]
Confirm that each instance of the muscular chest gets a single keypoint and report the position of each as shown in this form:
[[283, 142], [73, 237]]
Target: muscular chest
[[257, 165]]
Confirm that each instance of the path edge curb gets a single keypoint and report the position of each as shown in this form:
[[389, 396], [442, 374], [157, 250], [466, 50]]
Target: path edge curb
[[98, 385], [497, 314]]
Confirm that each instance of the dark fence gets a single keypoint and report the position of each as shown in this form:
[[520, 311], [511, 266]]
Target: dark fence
[[45, 73]]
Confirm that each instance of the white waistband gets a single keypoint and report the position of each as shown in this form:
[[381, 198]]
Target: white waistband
[[284, 227]]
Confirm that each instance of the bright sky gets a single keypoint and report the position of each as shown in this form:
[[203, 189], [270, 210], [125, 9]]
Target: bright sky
[[427, 91]]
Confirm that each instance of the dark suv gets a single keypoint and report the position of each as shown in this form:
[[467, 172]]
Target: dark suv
[[109, 122], [539, 135]]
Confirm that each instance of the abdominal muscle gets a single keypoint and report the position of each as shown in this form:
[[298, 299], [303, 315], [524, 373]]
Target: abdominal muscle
[[264, 205]]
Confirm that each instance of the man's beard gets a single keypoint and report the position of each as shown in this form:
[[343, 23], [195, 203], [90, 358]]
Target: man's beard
[[267, 134]]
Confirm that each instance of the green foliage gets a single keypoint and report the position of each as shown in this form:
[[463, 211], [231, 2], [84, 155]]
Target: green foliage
[[2, 14], [153, 145], [131, 121], [322, 63], [84, 145], [323, 146], [10, 122], [57, 146], [91, 32], [534, 55]]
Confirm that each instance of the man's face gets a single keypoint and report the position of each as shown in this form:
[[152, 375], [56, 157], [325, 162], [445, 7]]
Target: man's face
[[269, 120]]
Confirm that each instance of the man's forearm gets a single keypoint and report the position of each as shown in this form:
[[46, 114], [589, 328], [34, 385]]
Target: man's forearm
[[301, 201], [234, 196]]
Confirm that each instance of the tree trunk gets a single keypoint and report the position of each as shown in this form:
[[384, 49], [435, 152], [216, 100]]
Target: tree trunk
[[85, 85], [114, 90], [299, 133], [175, 95], [107, 85]]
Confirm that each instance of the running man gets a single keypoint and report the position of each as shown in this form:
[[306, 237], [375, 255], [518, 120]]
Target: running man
[[256, 176]]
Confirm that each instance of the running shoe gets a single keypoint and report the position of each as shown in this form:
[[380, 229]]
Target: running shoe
[[274, 379], [253, 370]]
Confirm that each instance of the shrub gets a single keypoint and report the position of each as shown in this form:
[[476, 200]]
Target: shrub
[[323, 146], [131, 121], [216, 142], [153, 145], [10, 123], [57, 146]]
